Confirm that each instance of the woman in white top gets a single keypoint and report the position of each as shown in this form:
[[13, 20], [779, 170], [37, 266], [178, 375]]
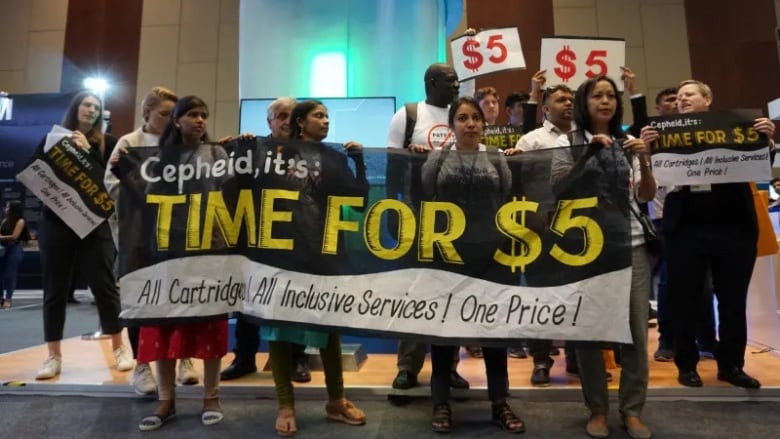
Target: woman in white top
[[157, 108], [598, 111]]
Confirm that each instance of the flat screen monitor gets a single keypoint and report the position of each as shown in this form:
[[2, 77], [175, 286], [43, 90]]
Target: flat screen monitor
[[363, 120]]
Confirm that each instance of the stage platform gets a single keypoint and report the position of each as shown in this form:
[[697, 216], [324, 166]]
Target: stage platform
[[88, 369]]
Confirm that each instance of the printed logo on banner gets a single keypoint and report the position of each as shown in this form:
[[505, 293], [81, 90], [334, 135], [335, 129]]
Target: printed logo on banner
[[573, 60]]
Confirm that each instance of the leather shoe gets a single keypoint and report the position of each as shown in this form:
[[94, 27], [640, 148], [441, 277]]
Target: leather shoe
[[689, 379], [301, 374], [638, 429], [597, 426], [404, 380], [457, 381], [739, 378], [237, 369]]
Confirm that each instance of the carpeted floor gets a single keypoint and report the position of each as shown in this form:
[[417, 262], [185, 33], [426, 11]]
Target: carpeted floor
[[84, 417]]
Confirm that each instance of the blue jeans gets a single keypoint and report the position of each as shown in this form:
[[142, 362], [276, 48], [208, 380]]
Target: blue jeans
[[9, 267]]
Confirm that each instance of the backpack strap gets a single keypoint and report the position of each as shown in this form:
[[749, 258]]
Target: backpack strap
[[411, 121]]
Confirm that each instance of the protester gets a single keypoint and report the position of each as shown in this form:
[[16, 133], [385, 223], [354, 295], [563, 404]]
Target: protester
[[466, 176], [156, 109], [309, 122], [62, 251], [205, 339], [487, 98], [247, 333], [709, 228], [513, 105], [424, 132], [598, 114], [13, 235], [557, 108]]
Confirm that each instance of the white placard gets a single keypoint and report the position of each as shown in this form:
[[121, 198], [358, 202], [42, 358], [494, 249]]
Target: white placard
[[573, 60], [491, 50]]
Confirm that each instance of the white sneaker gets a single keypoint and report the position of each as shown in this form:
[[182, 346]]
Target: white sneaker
[[187, 374], [143, 381], [124, 360], [50, 369]]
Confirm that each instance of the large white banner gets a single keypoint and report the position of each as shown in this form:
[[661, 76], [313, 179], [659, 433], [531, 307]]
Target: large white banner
[[449, 305]]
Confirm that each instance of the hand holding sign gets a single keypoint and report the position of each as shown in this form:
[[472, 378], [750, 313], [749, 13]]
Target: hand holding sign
[[486, 52], [573, 60]]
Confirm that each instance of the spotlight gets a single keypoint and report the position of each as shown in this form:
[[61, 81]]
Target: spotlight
[[96, 85]]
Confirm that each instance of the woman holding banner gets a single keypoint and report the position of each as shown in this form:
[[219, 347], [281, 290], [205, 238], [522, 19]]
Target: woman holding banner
[[477, 182], [598, 114], [157, 107], [207, 340], [62, 251], [710, 228], [309, 122]]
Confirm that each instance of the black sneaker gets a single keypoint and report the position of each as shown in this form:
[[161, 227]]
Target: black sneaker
[[404, 380], [237, 369], [518, 352], [540, 377], [663, 355], [457, 381], [301, 374]]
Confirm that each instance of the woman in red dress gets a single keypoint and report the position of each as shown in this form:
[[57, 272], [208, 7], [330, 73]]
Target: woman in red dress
[[206, 340]]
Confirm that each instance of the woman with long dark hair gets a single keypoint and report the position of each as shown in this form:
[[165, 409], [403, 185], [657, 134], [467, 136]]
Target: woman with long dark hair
[[63, 252], [309, 121], [13, 236], [206, 339], [467, 176], [156, 109], [598, 115]]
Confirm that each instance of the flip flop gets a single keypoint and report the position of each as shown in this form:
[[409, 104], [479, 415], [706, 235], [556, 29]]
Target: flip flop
[[154, 422], [211, 417]]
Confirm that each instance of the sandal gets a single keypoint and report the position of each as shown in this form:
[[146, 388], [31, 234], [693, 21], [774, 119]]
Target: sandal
[[344, 411], [156, 421], [442, 418], [285, 422], [213, 415], [504, 417]]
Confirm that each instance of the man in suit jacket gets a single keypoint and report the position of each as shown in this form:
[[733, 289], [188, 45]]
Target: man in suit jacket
[[709, 227]]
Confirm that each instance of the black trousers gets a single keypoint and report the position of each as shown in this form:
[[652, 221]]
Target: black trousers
[[248, 341], [729, 252], [495, 369], [62, 253]]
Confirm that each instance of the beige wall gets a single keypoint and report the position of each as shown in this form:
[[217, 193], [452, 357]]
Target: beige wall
[[32, 40], [191, 46], [655, 33]]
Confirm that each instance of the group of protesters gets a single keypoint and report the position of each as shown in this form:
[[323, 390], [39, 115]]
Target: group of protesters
[[708, 231]]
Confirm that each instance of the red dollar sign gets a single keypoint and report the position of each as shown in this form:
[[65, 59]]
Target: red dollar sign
[[567, 68], [474, 60]]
